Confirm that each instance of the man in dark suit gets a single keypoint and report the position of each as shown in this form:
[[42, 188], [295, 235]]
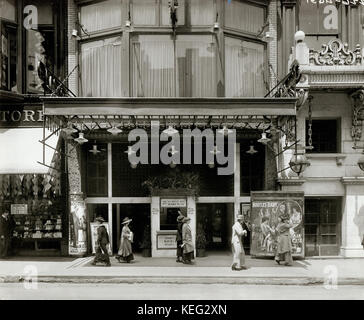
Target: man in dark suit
[[6, 229], [102, 241]]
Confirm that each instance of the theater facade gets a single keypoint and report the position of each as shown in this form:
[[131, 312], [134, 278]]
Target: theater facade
[[154, 99]]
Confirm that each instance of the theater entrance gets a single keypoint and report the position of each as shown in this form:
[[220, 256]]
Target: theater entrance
[[140, 226], [215, 220]]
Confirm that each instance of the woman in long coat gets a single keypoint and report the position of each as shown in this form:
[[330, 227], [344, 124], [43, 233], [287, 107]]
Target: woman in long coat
[[125, 252], [187, 243], [284, 246], [179, 238]]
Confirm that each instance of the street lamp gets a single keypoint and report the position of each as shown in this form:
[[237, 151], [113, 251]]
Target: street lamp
[[299, 163]]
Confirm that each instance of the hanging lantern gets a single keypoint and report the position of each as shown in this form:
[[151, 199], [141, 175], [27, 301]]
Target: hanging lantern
[[133, 165], [264, 140], [170, 131], [299, 163], [211, 165], [94, 150], [225, 131], [114, 130], [69, 129], [81, 139], [173, 165], [251, 150]]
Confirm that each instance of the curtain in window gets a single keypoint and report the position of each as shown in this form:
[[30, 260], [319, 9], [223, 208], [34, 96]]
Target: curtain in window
[[196, 66], [101, 15], [144, 12], [101, 61], [244, 16], [153, 67], [244, 68], [202, 12]]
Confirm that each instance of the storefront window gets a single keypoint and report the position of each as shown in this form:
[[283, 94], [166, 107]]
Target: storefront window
[[101, 68], [8, 57], [244, 68], [244, 16], [160, 71], [101, 15], [202, 12], [96, 172], [145, 12]]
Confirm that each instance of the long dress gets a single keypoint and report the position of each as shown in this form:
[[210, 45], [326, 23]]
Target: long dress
[[188, 247], [125, 252], [284, 246], [179, 240]]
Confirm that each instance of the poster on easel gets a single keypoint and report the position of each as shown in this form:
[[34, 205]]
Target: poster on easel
[[266, 206], [93, 227]]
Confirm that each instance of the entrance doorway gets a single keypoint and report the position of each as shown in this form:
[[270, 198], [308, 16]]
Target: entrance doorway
[[140, 226], [216, 220]]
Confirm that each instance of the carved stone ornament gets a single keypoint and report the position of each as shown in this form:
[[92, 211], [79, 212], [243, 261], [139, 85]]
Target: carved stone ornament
[[358, 114], [336, 53]]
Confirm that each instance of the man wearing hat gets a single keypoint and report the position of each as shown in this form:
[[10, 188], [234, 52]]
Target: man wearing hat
[[179, 237], [102, 254], [187, 243], [237, 244]]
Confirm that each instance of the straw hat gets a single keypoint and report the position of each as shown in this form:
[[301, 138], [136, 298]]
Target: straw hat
[[126, 220], [180, 218], [186, 219], [240, 217], [100, 219]]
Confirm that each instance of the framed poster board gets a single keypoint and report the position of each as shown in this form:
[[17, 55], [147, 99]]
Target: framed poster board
[[166, 241], [266, 206], [93, 228], [19, 209]]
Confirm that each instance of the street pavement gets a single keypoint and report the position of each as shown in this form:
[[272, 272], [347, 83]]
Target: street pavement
[[186, 292], [214, 269]]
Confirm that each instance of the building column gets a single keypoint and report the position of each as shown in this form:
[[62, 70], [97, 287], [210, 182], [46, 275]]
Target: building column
[[154, 223], [353, 218], [77, 205]]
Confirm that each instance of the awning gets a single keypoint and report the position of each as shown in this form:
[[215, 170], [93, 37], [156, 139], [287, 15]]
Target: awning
[[20, 150], [67, 106]]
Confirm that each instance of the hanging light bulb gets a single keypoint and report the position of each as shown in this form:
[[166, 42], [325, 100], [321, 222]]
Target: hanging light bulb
[[133, 165], [251, 150], [215, 151], [170, 131], [114, 130], [264, 140], [225, 131], [173, 165], [211, 165], [69, 129], [130, 151], [173, 151], [94, 150], [81, 139]]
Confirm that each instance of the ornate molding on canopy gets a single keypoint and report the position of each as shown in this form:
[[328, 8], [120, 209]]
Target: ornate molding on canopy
[[336, 52]]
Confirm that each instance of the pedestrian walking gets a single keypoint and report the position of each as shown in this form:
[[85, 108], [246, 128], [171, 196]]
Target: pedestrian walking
[[237, 244], [187, 243], [125, 252], [179, 237], [284, 246], [6, 230], [102, 254]]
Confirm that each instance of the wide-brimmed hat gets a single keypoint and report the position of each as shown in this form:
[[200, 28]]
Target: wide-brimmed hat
[[180, 218], [126, 220], [240, 217], [186, 219], [101, 219]]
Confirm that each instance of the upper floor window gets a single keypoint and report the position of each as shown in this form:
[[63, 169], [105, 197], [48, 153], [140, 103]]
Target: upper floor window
[[320, 22], [101, 16], [325, 136], [244, 16], [186, 67], [244, 68]]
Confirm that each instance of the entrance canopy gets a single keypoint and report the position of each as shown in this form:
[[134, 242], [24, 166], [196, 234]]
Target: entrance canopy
[[165, 107]]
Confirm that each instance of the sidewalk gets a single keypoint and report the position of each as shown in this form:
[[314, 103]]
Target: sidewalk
[[212, 269]]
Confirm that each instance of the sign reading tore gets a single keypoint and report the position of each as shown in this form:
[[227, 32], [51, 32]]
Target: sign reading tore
[[173, 203]]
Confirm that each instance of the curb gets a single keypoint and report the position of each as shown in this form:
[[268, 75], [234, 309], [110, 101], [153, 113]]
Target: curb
[[302, 281]]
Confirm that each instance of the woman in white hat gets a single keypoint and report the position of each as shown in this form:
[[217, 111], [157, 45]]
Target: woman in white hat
[[125, 252]]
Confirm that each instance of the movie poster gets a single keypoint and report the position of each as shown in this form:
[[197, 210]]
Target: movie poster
[[265, 209]]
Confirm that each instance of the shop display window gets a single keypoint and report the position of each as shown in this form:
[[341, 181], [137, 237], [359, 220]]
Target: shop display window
[[325, 136]]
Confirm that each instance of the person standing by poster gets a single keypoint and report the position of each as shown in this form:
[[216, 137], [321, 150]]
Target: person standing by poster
[[125, 252], [237, 244], [179, 237], [102, 242], [187, 243], [284, 246], [5, 233]]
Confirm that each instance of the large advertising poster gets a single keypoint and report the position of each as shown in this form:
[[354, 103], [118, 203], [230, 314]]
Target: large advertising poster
[[265, 209]]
